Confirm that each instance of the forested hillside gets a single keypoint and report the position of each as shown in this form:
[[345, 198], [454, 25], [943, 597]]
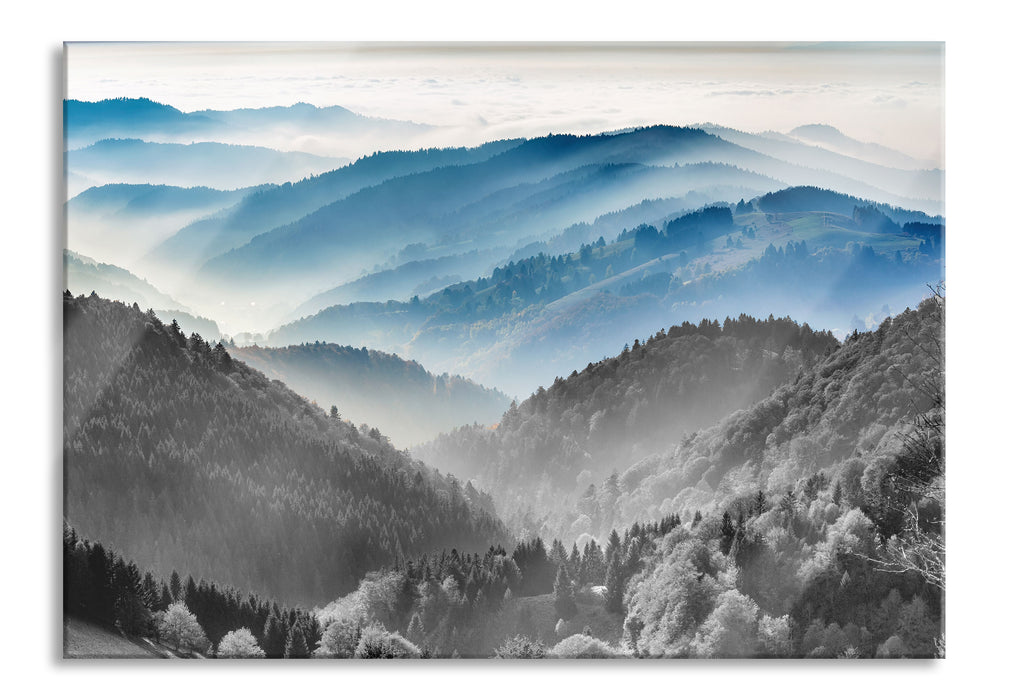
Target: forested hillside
[[268, 208], [537, 317], [504, 195], [601, 420], [182, 457], [817, 571], [369, 386], [831, 540], [841, 421]]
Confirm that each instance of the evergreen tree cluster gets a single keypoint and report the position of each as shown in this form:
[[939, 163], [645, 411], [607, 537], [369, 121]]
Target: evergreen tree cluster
[[188, 459], [809, 198], [101, 586], [933, 237], [454, 602]]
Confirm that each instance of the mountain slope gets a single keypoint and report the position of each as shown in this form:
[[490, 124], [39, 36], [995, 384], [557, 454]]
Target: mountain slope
[[326, 131], [372, 387], [905, 183], [416, 277], [534, 318], [830, 137], [110, 282], [421, 207], [121, 223], [266, 209], [842, 418], [207, 164], [181, 457], [602, 419]]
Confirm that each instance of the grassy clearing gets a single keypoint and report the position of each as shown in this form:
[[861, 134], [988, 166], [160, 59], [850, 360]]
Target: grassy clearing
[[86, 640]]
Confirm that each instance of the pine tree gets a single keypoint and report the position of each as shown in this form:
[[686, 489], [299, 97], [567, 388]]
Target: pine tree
[[575, 564], [612, 546], [727, 534], [313, 631], [564, 597], [415, 632], [175, 586], [593, 564], [296, 646], [787, 505], [166, 597], [190, 592], [274, 636], [614, 586], [557, 554], [150, 594]]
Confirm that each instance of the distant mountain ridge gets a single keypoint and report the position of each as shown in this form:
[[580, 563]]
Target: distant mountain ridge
[[368, 386], [785, 252], [121, 223], [217, 165], [910, 182], [266, 209], [422, 206], [84, 275], [832, 137], [277, 127]]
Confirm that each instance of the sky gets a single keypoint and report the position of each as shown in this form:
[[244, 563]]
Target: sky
[[887, 93]]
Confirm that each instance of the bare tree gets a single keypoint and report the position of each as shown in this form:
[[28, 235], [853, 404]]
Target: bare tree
[[918, 479]]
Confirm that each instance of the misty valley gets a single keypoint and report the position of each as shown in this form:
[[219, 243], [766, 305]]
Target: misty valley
[[653, 392]]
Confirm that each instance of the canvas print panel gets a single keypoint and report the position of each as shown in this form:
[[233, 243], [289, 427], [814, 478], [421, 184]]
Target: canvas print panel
[[504, 350]]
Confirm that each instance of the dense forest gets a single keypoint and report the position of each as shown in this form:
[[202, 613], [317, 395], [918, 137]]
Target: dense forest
[[601, 420], [182, 457], [811, 572], [844, 418], [189, 617], [372, 387], [455, 604]]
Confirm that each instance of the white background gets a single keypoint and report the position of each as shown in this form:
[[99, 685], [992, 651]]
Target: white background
[[30, 344]]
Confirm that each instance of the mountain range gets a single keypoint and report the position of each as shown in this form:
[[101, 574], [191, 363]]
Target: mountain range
[[206, 164], [289, 365]]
